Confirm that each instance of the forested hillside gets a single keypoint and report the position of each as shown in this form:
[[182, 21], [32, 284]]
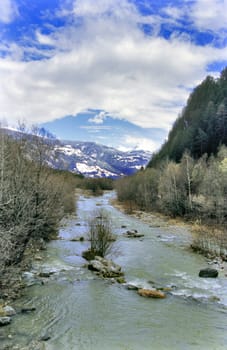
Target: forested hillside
[[188, 176], [202, 126]]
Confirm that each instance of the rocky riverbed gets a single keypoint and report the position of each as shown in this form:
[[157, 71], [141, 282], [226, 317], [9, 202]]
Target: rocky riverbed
[[162, 300]]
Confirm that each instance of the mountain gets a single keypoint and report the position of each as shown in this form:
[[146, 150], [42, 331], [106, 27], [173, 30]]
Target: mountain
[[95, 160], [202, 126], [87, 158]]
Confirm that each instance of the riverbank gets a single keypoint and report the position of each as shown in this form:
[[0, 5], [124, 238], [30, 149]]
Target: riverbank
[[160, 220], [12, 284], [153, 219]]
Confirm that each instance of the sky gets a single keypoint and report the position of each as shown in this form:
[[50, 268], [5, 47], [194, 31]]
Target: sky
[[99, 65]]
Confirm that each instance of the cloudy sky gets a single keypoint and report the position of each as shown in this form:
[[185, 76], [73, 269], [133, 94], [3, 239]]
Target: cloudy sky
[[116, 62]]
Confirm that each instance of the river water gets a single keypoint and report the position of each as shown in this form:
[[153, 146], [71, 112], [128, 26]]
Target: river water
[[79, 311]]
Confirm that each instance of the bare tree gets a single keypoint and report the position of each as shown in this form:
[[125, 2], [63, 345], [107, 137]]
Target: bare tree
[[33, 197], [100, 233]]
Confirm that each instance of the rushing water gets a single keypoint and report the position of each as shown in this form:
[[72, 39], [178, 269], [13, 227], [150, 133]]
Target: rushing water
[[80, 311]]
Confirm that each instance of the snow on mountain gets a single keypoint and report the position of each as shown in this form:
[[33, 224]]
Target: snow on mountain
[[87, 158], [94, 160]]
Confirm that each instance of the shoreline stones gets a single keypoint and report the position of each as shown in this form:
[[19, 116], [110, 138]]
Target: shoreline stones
[[8, 311], [5, 315]]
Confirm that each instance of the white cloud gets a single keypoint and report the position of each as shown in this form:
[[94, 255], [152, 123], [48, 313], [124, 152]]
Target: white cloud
[[44, 39], [130, 143], [106, 63], [205, 15], [8, 11], [116, 8], [173, 12], [210, 14], [98, 118]]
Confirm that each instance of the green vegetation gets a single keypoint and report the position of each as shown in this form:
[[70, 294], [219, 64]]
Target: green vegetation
[[202, 126], [188, 176]]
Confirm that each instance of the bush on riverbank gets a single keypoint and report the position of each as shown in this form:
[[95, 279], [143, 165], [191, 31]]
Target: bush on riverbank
[[192, 189], [33, 197]]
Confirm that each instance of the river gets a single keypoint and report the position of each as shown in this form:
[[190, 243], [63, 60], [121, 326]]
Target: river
[[79, 311]]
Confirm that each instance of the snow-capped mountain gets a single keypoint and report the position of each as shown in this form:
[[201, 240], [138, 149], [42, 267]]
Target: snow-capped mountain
[[87, 158], [94, 160]]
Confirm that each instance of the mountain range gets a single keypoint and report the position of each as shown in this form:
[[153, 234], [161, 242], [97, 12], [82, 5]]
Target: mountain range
[[94, 160], [88, 158]]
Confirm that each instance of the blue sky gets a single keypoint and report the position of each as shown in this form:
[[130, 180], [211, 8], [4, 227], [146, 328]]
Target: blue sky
[[99, 126], [130, 64]]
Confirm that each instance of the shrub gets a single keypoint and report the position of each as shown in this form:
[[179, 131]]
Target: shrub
[[100, 234]]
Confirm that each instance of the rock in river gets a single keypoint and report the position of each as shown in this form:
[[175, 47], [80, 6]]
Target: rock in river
[[4, 321], [151, 293], [133, 234], [8, 310], [208, 272], [106, 268]]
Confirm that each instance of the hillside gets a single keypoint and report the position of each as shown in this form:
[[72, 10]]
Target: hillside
[[202, 126], [188, 176]]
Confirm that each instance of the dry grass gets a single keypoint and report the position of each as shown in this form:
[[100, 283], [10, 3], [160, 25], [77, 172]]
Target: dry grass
[[210, 240]]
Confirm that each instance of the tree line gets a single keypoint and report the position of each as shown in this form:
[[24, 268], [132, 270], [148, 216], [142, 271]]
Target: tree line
[[33, 197], [195, 189], [202, 125], [187, 177]]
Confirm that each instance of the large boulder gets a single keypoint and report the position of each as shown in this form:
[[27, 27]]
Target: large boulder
[[106, 268], [208, 272], [151, 293]]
